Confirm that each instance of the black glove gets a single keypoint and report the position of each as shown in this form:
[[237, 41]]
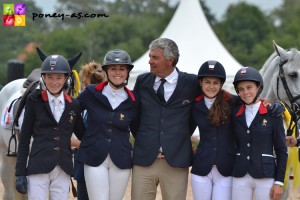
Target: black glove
[[276, 109], [21, 184]]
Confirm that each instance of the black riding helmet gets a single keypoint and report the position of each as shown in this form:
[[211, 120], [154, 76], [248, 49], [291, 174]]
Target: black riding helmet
[[249, 74], [56, 64], [212, 68], [117, 56], [114, 57]]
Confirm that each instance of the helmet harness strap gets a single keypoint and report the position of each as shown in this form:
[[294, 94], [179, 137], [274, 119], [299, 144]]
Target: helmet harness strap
[[53, 61], [120, 85], [255, 98], [62, 88]]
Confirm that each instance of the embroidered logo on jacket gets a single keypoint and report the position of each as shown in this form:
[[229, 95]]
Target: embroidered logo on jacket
[[72, 115], [121, 116], [264, 123]]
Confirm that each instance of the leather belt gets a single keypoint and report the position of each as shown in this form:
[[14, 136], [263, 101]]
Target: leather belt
[[160, 155]]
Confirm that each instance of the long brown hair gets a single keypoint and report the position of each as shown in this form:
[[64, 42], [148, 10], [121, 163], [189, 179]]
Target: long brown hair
[[220, 110]]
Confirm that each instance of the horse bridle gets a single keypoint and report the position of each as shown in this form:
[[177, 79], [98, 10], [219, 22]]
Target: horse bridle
[[295, 108]]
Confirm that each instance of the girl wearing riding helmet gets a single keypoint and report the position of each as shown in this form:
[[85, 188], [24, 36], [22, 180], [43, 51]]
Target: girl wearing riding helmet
[[51, 116], [213, 160], [261, 158], [105, 148]]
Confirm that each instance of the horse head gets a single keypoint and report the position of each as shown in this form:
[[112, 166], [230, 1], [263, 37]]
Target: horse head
[[71, 61], [281, 76]]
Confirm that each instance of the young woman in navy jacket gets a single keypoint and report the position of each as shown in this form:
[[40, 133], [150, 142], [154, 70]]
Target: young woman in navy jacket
[[105, 149], [213, 160], [261, 158]]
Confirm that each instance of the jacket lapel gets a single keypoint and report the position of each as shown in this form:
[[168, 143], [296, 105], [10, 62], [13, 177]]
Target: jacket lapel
[[149, 82], [240, 116], [67, 112], [260, 114], [47, 103], [180, 85]]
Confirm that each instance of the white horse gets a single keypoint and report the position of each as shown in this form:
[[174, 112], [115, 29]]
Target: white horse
[[281, 76], [282, 65], [8, 93]]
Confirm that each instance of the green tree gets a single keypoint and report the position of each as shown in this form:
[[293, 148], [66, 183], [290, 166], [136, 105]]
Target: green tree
[[286, 18], [243, 27], [128, 8], [209, 16], [15, 39]]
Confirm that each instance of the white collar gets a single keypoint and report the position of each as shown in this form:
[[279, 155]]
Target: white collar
[[60, 97], [112, 90], [170, 79], [254, 106], [209, 102]]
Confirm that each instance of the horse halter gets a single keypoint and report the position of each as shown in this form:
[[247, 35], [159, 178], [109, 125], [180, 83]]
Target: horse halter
[[295, 108]]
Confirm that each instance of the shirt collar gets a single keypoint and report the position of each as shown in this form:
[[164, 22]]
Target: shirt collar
[[111, 90], [254, 106], [262, 109], [171, 78], [60, 97]]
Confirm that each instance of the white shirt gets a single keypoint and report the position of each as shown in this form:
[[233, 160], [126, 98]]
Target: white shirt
[[115, 97], [251, 111], [61, 106], [170, 84], [209, 102]]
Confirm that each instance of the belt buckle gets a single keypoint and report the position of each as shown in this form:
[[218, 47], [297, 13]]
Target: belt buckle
[[160, 155]]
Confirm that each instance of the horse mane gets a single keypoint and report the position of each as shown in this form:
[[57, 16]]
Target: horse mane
[[266, 65], [293, 55]]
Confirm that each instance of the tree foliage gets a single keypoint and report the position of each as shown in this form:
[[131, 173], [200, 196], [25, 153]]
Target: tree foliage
[[245, 30], [243, 27], [248, 33], [287, 31]]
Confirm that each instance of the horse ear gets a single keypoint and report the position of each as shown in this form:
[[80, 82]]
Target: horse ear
[[74, 60], [280, 51], [41, 54]]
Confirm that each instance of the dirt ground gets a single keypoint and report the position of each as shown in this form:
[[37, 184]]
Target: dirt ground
[[294, 195]]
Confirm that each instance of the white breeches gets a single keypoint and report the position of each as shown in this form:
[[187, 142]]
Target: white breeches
[[106, 181], [56, 183], [214, 186], [247, 187]]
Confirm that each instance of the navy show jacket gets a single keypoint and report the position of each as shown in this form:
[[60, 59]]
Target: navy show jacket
[[216, 145], [108, 129], [261, 148], [51, 144], [165, 125]]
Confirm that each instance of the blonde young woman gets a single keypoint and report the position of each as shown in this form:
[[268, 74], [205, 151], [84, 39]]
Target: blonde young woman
[[105, 149]]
